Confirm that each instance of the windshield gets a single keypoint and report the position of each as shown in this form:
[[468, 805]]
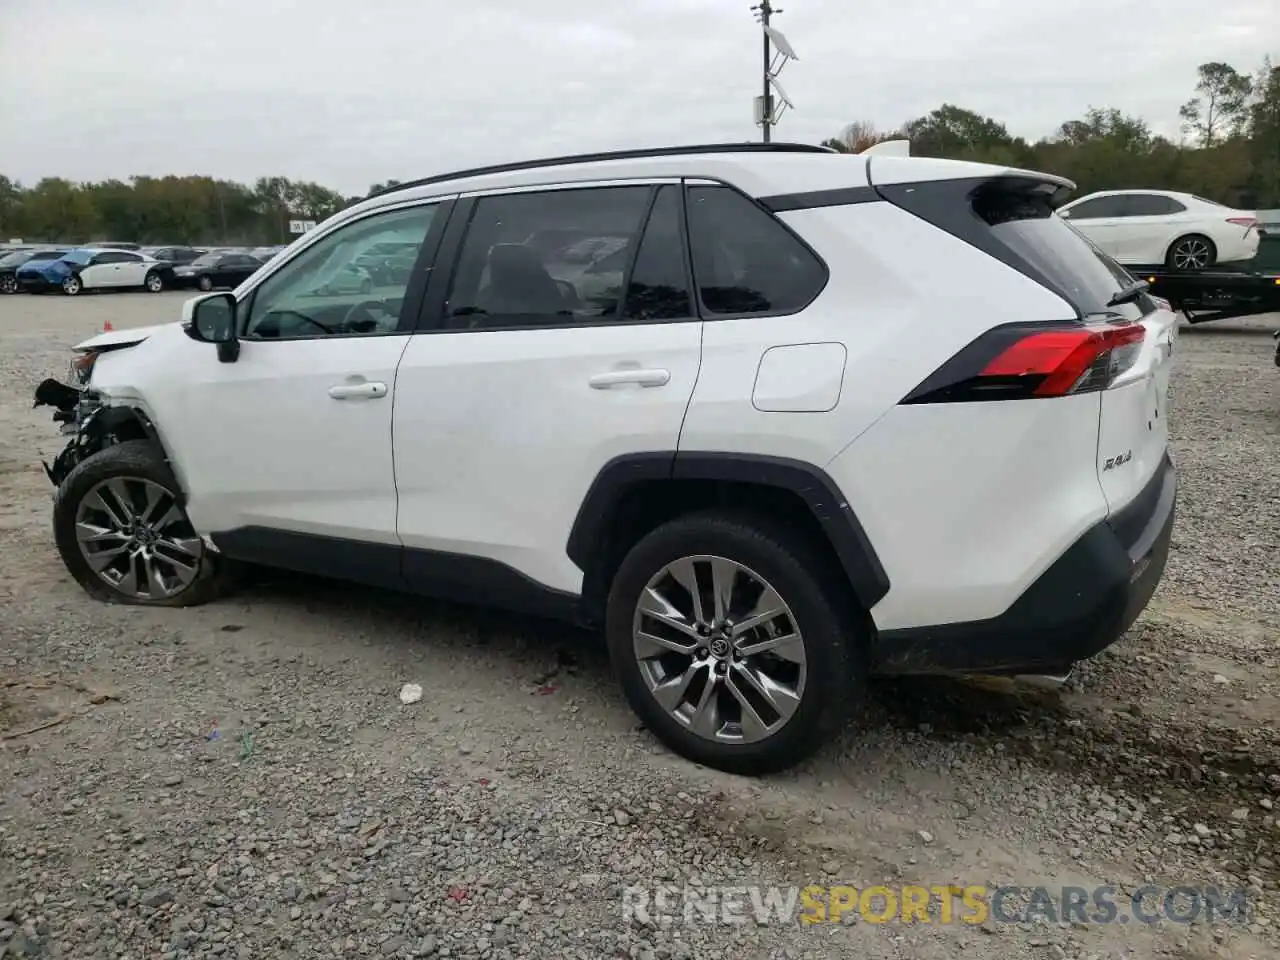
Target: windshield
[[78, 256], [14, 259]]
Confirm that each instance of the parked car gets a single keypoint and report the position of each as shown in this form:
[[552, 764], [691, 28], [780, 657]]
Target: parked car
[[178, 256], [10, 262], [389, 263], [343, 278], [95, 268], [1151, 228], [265, 253], [774, 462], [216, 270]]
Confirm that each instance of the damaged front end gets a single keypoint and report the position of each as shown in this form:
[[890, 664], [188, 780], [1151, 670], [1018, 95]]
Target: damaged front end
[[79, 411], [91, 424]]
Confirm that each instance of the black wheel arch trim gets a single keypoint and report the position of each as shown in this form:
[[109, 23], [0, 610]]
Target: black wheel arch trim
[[862, 567]]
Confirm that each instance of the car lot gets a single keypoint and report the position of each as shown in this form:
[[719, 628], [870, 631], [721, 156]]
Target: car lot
[[242, 780]]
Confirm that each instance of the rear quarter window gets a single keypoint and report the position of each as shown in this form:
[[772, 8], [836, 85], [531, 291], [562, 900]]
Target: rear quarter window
[[745, 261]]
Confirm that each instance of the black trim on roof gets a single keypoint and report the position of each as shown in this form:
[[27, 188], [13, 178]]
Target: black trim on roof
[[640, 154], [820, 198]]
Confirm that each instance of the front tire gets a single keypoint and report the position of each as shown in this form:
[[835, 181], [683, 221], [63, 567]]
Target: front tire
[[123, 534], [366, 286], [8, 284], [205, 283], [72, 286], [732, 643], [153, 283], [1191, 254]]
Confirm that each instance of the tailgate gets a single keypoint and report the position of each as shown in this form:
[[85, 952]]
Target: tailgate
[[1133, 426]]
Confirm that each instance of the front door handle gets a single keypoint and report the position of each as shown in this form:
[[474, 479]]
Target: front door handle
[[642, 378], [368, 390]]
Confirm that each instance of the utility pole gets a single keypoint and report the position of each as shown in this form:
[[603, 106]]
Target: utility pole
[[764, 11]]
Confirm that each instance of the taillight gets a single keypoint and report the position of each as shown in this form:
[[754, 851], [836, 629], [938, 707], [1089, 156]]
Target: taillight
[[1034, 361], [1247, 222]]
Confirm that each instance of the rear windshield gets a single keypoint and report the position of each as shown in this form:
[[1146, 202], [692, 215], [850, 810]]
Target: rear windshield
[[1081, 272], [78, 256]]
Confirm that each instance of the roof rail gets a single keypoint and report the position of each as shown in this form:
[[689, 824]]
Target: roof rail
[[640, 154]]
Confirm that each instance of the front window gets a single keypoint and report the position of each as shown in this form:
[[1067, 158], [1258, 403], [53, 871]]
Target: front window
[[325, 291]]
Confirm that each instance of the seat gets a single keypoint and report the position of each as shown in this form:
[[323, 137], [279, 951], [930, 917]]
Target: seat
[[518, 284]]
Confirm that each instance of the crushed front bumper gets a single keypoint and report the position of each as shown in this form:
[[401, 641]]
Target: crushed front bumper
[[78, 412]]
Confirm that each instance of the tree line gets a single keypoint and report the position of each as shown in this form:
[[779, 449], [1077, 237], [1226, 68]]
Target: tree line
[[1230, 152]]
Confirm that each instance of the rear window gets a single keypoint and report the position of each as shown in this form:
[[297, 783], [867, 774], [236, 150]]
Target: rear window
[[1086, 276]]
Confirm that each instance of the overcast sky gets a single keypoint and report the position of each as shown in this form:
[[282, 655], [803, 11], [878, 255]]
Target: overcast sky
[[348, 93]]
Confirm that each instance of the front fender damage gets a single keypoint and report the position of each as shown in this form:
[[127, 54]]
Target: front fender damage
[[93, 425]]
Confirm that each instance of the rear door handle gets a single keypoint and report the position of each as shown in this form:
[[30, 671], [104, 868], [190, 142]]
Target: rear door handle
[[641, 378], [369, 390]]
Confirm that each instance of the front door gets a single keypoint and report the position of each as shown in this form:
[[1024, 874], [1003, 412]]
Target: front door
[[547, 363], [287, 450]]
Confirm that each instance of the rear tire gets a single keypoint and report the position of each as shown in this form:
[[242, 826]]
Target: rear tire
[[1191, 253], [205, 284], [154, 283], [124, 536], [814, 677], [8, 284]]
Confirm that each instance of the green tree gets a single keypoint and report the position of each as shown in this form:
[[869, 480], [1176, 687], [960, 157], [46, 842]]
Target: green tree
[[1221, 105], [1264, 137]]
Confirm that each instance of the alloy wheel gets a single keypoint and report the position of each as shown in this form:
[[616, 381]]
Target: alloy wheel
[[137, 539], [8, 284], [1191, 254], [71, 286], [154, 283], [719, 649]]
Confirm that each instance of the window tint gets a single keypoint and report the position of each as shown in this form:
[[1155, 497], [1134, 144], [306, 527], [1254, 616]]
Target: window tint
[[744, 260], [1152, 205], [547, 258], [659, 286], [109, 257], [1083, 273], [1099, 207], [322, 292]]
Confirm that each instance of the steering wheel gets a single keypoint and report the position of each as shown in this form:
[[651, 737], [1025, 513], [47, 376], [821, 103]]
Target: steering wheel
[[365, 309]]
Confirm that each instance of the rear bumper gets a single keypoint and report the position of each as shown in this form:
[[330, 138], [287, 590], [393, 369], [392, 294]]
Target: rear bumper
[[1078, 607]]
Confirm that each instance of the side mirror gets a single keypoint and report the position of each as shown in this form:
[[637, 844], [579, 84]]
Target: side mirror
[[212, 319], [1064, 214]]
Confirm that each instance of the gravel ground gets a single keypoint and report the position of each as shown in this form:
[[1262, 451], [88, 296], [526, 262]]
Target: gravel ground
[[241, 780]]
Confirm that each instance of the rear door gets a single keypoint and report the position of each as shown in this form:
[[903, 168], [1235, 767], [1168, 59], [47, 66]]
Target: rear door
[[528, 379], [1151, 222]]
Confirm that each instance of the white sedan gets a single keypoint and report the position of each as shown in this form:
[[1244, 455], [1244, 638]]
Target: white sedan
[[1150, 228]]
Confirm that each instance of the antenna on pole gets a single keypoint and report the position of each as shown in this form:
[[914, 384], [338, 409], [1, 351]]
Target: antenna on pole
[[770, 108]]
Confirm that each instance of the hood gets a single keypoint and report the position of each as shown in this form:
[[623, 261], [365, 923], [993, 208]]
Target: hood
[[45, 268], [121, 338]]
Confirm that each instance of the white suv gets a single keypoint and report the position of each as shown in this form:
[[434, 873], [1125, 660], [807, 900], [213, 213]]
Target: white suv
[[833, 415]]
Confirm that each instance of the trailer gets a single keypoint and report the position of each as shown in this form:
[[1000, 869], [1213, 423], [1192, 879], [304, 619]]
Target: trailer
[[1218, 294]]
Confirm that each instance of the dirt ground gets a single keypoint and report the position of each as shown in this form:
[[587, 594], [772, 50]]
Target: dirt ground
[[241, 780]]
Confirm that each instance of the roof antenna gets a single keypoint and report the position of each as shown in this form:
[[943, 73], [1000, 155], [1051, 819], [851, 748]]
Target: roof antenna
[[768, 113]]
